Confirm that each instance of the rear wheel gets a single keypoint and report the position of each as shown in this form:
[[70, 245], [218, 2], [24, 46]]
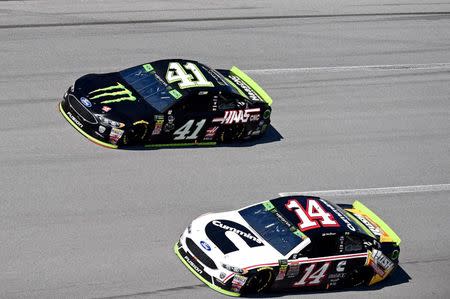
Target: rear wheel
[[258, 282], [232, 133]]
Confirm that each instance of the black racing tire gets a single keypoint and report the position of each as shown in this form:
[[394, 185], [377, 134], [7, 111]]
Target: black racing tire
[[232, 133], [135, 135], [258, 282]]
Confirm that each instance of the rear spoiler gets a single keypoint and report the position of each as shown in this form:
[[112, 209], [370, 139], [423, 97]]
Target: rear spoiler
[[389, 235], [252, 84]]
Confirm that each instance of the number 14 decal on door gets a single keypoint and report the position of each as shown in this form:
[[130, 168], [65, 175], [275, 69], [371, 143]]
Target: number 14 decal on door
[[308, 218], [309, 278]]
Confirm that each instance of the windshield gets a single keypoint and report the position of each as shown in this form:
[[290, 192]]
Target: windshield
[[152, 89], [271, 228]]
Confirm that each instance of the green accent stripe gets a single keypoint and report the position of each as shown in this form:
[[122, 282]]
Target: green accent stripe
[[361, 225], [212, 286], [359, 206], [181, 144], [83, 132], [250, 82], [236, 87]]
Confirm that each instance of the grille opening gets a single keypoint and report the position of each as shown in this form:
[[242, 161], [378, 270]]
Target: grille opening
[[81, 110], [200, 255]]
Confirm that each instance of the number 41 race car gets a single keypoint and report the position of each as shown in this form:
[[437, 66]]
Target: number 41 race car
[[295, 242], [167, 103]]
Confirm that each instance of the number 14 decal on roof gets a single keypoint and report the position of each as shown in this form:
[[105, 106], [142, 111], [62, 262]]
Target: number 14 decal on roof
[[308, 218]]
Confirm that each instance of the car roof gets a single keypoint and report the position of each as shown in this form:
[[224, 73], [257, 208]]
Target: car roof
[[345, 223], [220, 84]]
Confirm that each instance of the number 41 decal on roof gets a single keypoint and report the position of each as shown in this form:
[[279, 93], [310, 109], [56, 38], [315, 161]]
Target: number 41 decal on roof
[[176, 72]]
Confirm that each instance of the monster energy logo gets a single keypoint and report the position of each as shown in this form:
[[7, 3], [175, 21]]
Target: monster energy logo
[[118, 90]]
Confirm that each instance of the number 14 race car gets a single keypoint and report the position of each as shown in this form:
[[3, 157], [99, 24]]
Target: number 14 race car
[[167, 103], [295, 242]]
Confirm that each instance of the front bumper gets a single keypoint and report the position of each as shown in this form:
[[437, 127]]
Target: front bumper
[[197, 269], [68, 115]]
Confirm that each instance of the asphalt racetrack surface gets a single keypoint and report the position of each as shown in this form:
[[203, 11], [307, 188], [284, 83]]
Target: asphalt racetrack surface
[[360, 100]]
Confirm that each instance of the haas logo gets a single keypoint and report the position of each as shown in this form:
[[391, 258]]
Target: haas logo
[[236, 116]]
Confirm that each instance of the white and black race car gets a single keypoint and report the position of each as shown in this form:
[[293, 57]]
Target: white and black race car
[[294, 242]]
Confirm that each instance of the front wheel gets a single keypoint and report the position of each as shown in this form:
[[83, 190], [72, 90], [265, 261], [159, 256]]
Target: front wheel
[[258, 282]]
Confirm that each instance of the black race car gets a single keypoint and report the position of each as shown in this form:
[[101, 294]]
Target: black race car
[[295, 242], [167, 103]]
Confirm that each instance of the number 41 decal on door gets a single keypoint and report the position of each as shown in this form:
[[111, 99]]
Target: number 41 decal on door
[[182, 132]]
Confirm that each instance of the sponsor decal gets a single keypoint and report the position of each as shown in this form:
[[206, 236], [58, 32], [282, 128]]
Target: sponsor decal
[[74, 119], [205, 245], [193, 265], [247, 235], [210, 133], [282, 270], [106, 109], [237, 283], [374, 229], [86, 102], [293, 270], [112, 94], [148, 67], [236, 116], [254, 117], [266, 114], [161, 80], [170, 123], [340, 215], [101, 129], [158, 124], [380, 263], [252, 95], [340, 267], [218, 232], [115, 135], [175, 93]]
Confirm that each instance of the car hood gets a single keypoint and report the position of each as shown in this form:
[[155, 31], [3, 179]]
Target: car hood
[[227, 238], [109, 95]]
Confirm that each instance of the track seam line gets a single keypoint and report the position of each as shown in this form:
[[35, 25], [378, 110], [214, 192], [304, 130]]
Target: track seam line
[[374, 191], [376, 67], [205, 19]]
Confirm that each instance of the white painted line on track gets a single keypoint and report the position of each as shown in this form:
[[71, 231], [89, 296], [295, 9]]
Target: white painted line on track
[[374, 191], [380, 67]]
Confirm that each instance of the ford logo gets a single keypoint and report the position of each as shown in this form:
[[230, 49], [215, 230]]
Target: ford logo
[[86, 102], [205, 245]]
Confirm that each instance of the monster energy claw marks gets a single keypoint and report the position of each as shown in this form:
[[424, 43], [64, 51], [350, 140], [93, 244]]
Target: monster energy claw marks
[[116, 93]]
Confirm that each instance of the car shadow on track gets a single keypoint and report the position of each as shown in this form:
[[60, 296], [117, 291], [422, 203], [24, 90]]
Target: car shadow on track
[[271, 135], [398, 277]]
